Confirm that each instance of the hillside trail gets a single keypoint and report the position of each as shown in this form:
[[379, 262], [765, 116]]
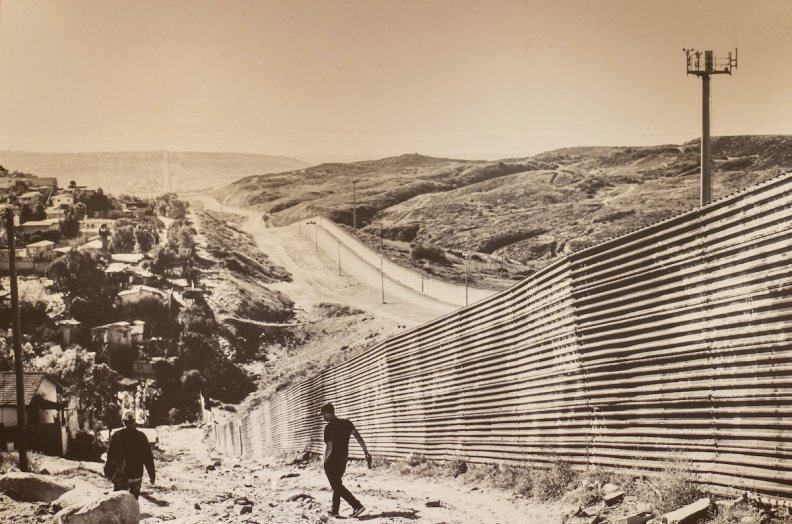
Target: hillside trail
[[315, 276], [298, 492]]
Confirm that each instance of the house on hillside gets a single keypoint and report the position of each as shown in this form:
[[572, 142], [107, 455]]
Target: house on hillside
[[41, 250], [117, 342], [135, 209], [55, 212], [45, 416], [69, 329], [29, 199], [33, 225], [62, 199]]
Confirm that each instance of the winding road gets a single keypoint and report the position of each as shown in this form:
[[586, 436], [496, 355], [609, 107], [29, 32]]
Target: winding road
[[316, 276]]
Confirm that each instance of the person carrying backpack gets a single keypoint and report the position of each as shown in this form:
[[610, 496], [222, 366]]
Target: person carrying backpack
[[127, 454]]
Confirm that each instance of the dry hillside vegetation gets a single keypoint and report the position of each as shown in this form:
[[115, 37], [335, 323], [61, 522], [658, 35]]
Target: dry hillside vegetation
[[237, 272], [518, 214]]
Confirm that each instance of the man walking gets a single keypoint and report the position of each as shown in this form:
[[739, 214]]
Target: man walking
[[336, 437], [127, 453]]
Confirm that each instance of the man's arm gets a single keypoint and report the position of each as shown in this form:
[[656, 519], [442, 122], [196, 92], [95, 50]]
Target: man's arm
[[328, 450], [148, 459], [360, 441]]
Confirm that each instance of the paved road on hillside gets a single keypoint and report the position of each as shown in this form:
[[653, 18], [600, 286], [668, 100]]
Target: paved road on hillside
[[315, 275]]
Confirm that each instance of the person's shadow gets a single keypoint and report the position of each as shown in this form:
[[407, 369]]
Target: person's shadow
[[155, 501], [409, 514]]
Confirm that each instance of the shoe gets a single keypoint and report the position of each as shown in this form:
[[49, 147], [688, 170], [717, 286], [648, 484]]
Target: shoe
[[358, 512], [332, 513]]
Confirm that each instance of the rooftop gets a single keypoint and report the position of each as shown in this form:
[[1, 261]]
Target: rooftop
[[32, 381]]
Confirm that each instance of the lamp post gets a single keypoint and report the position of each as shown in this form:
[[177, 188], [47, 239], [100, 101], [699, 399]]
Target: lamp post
[[354, 205], [382, 279], [467, 255], [339, 256], [316, 235], [21, 439]]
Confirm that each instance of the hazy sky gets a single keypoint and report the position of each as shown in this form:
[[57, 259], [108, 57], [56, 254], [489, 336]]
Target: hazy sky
[[307, 78]]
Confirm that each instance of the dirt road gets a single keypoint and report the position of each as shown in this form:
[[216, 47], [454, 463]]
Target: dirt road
[[299, 493], [316, 279]]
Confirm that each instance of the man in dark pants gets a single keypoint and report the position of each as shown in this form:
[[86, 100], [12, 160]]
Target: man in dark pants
[[336, 436], [129, 451]]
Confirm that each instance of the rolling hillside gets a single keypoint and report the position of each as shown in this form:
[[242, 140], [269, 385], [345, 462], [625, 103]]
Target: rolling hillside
[[521, 213], [146, 173]]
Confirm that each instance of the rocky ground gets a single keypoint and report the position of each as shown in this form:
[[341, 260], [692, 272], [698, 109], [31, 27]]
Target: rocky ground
[[192, 480], [197, 485]]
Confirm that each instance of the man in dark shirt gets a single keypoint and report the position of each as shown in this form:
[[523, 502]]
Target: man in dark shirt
[[336, 436], [129, 451]]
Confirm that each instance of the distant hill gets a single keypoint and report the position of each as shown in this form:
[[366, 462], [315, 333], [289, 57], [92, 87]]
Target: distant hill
[[525, 211], [146, 173]]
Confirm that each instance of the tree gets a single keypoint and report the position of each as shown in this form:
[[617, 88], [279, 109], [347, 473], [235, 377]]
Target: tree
[[144, 240], [123, 239], [72, 184], [155, 312], [40, 212], [7, 359], [70, 226], [77, 274], [163, 258], [80, 210], [96, 386]]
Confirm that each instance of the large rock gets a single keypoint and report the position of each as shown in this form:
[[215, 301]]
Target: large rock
[[119, 507], [79, 496], [29, 487]]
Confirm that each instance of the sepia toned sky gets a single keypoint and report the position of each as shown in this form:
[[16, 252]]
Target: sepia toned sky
[[359, 78]]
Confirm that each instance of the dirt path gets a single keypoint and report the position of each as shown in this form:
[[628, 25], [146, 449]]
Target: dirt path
[[316, 279], [299, 493]]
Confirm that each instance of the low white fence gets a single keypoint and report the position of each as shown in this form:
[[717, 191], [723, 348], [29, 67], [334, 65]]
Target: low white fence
[[331, 237]]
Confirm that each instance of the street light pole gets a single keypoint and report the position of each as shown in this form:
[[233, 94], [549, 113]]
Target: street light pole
[[467, 255], [382, 277], [339, 256], [354, 205], [21, 439]]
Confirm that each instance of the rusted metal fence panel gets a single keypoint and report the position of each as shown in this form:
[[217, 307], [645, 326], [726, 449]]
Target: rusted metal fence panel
[[674, 337]]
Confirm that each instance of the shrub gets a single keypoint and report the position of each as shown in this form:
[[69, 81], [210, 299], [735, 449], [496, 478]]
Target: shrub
[[429, 252], [552, 483], [674, 486]]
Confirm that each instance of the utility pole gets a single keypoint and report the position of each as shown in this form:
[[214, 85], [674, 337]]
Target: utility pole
[[711, 66], [21, 440], [316, 235], [382, 278], [467, 255], [354, 205]]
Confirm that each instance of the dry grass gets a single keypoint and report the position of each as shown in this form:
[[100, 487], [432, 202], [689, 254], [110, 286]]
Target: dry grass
[[675, 485], [10, 461]]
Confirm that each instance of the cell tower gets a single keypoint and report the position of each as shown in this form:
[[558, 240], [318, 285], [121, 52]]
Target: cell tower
[[710, 66]]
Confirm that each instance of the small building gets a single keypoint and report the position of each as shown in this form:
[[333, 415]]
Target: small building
[[135, 293], [33, 225], [117, 334], [29, 199], [62, 199], [45, 416], [55, 212], [135, 209], [41, 249], [69, 329]]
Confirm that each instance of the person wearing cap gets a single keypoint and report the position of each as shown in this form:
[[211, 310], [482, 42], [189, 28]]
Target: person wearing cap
[[336, 437], [129, 451]]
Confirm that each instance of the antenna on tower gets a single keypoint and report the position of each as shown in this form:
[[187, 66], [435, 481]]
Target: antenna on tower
[[711, 66]]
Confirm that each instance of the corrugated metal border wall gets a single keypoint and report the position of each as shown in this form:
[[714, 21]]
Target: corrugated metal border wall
[[674, 337]]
